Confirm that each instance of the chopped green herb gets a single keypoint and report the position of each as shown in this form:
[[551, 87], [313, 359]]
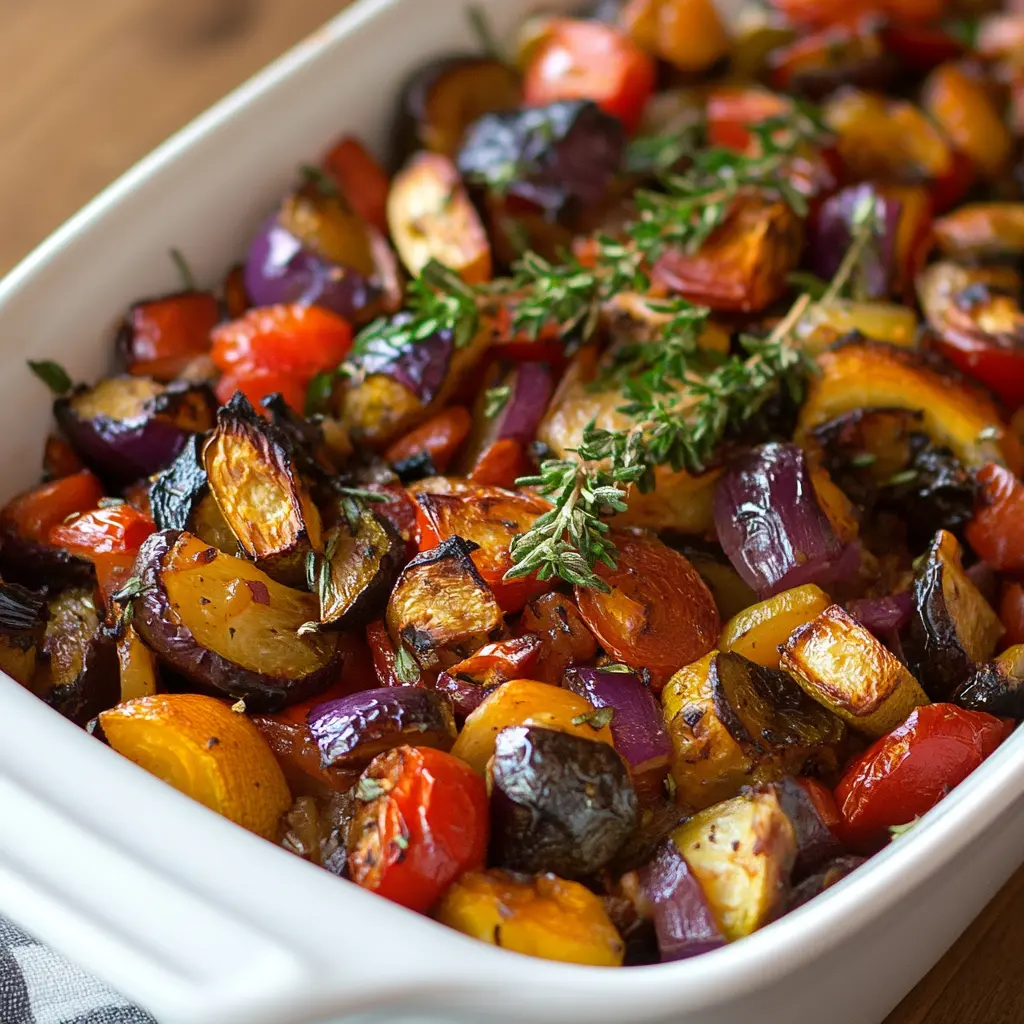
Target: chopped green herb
[[368, 790], [184, 270], [989, 433], [596, 719], [318, 178], [406, 667], [495, 399], [895, 831], [904, 476], [52, 374], [863, 459]]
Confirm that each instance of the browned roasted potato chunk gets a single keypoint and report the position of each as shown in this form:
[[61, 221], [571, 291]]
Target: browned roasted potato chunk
[[742, 852], [441, 609], [733, 722], [845, 668], [254, 477]]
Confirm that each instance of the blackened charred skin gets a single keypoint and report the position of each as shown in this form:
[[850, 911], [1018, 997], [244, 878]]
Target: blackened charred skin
[[815, 842], [177, 490], [821, 880], [559, 802], [415, 467], [562, 153], [997, 688], [657, 820], [20, 607]]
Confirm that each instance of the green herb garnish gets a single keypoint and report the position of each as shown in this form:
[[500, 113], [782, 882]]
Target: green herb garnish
[[596, 719], [184, 270], [407, 670], [495, 399], [52, 374]]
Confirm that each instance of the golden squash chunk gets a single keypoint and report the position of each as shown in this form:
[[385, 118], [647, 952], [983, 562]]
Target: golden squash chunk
[[757, 631], [733, 723], [254, 477], [524, 702], [826, 322], [742, 852], [441, 609], [544, 916], [953, 628], [871, 375], [845, 668]]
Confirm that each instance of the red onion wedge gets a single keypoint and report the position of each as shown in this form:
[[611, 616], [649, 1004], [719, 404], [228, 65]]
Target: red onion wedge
[[883, 615], [815, 841], [772, 526], [352, 730], [683, 921], [638, 725]]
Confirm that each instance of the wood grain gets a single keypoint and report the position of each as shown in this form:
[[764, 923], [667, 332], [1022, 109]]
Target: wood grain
[[87, 87]]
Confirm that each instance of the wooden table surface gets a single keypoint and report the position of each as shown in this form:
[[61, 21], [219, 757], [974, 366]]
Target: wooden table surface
[[89, 86]]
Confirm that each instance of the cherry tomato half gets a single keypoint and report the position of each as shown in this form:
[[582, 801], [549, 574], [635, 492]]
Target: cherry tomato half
[[35, 513], [428, 825], [997, 530], [910, 770], [119, 529], [585, 60]]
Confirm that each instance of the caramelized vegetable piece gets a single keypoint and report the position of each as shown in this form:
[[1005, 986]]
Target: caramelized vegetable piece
[[361, 179], [468, 682], [253, 474], [997, 687], [441, 609], [870, 375], [585, 60], [906, 773], [445, 97], [743, 264], [76, 673], [841, 665], [757, 631], [966, 111], [160, 337], [733, 722], [430, 217], [207, 751], [658, 614], [137, 664], [742, 852], [953, 628], [564, 636], [525, 702], [559, 802], [489, 518], [22, 615], [996, 533], [981, 231], [827, 322], [363, 564], [817, 64], [543, 916], [437, 440], [227, 626], [129, 427], [686, 33], [420, 822], [59, 459]]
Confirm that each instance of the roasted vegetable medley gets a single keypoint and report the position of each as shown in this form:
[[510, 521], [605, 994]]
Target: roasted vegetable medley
[[604, 530]]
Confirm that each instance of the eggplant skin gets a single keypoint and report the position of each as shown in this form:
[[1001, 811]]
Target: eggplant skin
[[952, 628], [559, 802], [78, 674], [158, 620], [178, 489], [997, 687], [441, 609], [126, 428], [254, 476]]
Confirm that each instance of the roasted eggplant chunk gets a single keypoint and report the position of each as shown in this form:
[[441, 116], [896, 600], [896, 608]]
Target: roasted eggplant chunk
[[997, 687], [77, 672], [441, 609], [733, 723], [835, 871], [815, 841], [545, 916], [22, 615], [442, 99], [550, 156], [953, 628], [742, 852], [842, 666], [359, 569], [254, 476], [228, 627], [956, 414], [180, 499], [559, 803], [125, 428], [351, 731], [393, 388]]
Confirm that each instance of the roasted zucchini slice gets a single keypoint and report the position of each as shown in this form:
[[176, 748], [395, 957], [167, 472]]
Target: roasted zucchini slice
[[559, 802], [228, 627], [953, 628], [254, 476], [845, 668], [742, 852], [757, 631], [733, 722], [544, 916], [77, 672], [359, 569], [956, 414], [441, 610]]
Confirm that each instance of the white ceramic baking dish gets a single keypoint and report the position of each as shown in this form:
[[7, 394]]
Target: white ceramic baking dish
[[200, 921]]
